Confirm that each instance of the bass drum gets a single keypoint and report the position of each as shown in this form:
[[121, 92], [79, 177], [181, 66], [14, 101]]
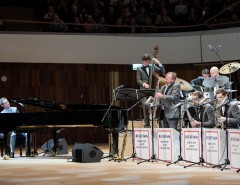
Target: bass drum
[[209, 95]]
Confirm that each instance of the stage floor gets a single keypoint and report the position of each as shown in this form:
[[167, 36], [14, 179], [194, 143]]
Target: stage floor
[[56, 170]]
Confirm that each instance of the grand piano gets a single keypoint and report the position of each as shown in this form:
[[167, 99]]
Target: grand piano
[[56, 115]]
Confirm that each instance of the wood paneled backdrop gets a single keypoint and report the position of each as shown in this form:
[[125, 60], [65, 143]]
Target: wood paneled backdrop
[[82, 83]]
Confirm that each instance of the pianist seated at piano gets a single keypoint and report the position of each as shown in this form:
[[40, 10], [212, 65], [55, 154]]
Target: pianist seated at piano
[[8, 109]]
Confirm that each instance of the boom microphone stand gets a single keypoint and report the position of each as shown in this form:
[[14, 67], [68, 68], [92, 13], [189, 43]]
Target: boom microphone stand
[[180, 158]]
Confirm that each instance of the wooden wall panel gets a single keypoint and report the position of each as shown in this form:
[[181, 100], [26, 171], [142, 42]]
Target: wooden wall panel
[[82, 83]]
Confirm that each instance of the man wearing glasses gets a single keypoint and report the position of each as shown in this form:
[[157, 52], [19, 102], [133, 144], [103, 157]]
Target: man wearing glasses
[[229, 111], [205, 113]]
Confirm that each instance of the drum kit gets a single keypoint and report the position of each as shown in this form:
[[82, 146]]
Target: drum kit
[[211, 82], [221, 80]]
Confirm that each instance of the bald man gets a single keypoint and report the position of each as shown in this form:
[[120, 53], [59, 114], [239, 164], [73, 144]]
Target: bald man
[[214, 71]]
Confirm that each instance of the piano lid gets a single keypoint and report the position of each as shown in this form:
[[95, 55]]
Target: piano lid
[[51, 105]]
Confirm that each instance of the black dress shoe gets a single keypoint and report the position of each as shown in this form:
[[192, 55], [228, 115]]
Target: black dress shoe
[[12, 154], [27, 154]]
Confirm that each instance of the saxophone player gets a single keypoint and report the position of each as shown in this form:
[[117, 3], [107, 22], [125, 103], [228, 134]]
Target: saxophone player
[[204, 111], [229, 111], [169, 95]]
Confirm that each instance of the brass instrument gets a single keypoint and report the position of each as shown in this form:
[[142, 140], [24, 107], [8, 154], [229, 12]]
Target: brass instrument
[[181, 123], [201, 102], [219, 114], [124, 143], [153, 103]]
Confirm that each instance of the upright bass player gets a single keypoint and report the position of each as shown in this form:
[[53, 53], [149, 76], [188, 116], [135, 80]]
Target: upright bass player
[[144, 76]]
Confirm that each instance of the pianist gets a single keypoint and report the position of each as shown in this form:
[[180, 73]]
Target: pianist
[[8, 109]]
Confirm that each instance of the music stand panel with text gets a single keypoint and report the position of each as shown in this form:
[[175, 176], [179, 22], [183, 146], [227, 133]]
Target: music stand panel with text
[[167, 144], [234, 143], [142, 143], [191, 144], [214, 145]]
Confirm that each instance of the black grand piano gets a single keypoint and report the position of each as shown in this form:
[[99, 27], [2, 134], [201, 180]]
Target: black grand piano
[[56, 115]]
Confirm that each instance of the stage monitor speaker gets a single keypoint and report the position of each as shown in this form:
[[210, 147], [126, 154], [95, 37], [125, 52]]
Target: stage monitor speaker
[[62, 148], [86, 153]]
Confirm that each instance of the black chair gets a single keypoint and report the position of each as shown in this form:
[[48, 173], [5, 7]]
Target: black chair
[[20, 142], [2, 143]]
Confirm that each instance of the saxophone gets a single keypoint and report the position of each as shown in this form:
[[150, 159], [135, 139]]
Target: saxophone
[[124, 143], [219, 114], [154, 104], [201, 102]]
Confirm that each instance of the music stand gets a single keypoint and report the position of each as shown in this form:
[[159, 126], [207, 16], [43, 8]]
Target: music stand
[[145, 93], [132, 94], [133, 144], [127, 94], [110, 155]]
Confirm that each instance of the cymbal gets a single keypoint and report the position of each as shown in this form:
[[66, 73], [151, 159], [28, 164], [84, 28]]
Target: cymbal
[[216, 81], [184, 85], [229, 90], [229, 68]]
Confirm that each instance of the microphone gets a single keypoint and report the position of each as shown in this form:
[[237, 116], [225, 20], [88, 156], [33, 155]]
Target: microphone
[[214, 48], [119, 87], [211, 48]]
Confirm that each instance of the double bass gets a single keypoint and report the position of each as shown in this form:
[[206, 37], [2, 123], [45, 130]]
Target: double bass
[[184, 85], [160, 79]]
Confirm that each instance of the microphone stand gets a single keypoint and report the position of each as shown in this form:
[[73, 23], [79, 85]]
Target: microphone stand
[[227, 161], [153, 157], [201, 160], [110, 155], [180, 158], [216, 51]]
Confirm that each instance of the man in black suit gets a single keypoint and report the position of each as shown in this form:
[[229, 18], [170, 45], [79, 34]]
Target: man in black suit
[[230, 113], [145, 70], [169, 96], [204, 114], [144, 73]]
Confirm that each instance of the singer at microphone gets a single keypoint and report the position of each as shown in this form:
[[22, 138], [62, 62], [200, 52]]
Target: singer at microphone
[[230, 114]]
